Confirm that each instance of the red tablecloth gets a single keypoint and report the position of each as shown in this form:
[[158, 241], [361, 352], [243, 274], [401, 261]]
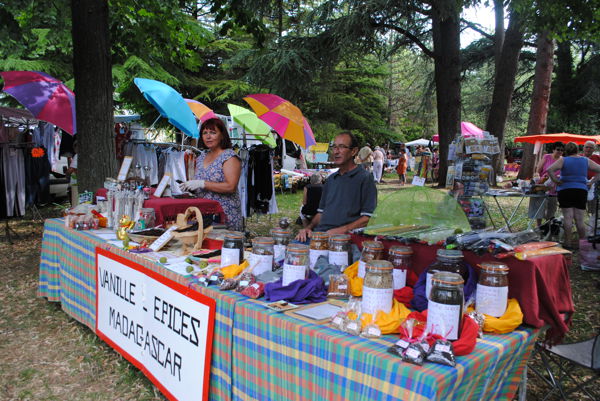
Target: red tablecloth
[[166, 209], [541, 285]]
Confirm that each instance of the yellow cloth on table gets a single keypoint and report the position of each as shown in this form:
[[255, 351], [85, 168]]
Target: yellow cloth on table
[[232, 271], [388, 323], [512, 318], [356, 283]]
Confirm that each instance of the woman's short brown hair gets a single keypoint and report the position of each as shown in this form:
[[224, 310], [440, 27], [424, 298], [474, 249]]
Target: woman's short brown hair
[[216, 123], [571, 148]]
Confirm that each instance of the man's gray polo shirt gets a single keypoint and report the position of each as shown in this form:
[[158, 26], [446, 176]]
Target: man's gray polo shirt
[[346, 197]]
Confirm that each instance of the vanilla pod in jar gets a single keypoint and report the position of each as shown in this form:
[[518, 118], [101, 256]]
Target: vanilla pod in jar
[[232, 251], [372, 250], [261, 258], [339, 250], [492, 289], [401, 258], [281, 239], [445, 309], [319, 246], [448, 260], [378, 291]]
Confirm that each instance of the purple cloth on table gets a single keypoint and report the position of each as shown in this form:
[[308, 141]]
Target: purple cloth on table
[[419, 301], [307, 291]]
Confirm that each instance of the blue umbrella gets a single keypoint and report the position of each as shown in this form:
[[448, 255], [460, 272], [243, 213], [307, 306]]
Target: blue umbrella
[[170, 104]]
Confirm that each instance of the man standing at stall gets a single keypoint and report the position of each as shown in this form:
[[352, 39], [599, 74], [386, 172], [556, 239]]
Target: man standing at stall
[[349, 195]]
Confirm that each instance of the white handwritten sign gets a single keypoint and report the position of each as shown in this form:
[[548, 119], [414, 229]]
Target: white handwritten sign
[[159, 325], [127, 160], [162, 185]]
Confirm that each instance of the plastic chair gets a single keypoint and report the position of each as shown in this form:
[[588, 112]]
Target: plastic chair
[[559, 362]]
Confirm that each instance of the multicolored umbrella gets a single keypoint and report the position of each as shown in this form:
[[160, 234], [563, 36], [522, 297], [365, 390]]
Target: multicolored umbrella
[[561, 137], [285, 118], [201, 111], [170, 104], [252, 124], [46, 97]]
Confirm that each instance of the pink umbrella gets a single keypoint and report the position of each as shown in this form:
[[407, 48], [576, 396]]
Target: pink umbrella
[[46, 97], [285, 118], [467, 129]]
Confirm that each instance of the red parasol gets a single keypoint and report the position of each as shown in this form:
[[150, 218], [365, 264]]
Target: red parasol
[[561, 137]]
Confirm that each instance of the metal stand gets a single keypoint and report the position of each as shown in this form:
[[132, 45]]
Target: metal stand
[[8, 231]]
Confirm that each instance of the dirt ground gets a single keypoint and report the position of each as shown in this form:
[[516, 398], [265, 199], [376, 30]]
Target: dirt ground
[[46, 355]]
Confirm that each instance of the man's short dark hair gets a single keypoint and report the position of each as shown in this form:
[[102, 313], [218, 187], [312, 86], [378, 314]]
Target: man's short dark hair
[[353, 138]]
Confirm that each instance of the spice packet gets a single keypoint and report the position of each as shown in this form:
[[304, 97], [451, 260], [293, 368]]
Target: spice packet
[[353, 326], [399, 347], [371, 330], [414, 354], [338, 286], [228, 284], [254, 290], [442, 353], [245, 280]]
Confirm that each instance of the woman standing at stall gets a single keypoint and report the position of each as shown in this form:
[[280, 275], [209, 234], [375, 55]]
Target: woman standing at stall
[[401, 167], [218, 172], [572, 189], [538, 209]]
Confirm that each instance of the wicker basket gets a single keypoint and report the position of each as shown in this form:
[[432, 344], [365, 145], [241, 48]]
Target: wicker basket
[[190, 241]]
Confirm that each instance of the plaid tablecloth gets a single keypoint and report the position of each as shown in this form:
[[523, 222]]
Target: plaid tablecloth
[[259, 354]]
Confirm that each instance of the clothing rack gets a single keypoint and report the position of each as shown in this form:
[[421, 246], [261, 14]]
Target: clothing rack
[[166, 145]]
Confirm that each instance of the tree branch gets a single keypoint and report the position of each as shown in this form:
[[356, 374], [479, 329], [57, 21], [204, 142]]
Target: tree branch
[[477, 28], [408, 35]]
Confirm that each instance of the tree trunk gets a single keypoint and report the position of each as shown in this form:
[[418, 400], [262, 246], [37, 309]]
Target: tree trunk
[[499, 31], [540, 98], [94, 93], [504, 85], [563, 84], [446, 45]]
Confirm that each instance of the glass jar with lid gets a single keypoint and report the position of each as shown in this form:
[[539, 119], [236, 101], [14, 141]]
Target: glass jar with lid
[[372, 250], [445, 310], [319, 246], [448, 260], [339, 250], [232, 251], [296, 264], [492, 289], [281, 238], [401, 258], [378, 291], [261, 258]]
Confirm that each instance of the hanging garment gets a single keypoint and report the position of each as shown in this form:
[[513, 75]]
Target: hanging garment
[[14, 177], [37, 178], [66, 144], [244, 155], [260, 179], [175, 165], [3, 133]]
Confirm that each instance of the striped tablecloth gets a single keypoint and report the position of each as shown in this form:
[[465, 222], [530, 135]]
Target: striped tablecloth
[[259, 354]]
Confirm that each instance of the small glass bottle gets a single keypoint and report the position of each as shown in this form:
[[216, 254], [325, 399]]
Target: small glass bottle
[[147, 218], [261, 258], [378, 291], [372, 250], [281, 239], [232, 251], [339, 250], [448, 260], [401, 258], [319, 246], [296, 264], [445, 310], [492, 289]]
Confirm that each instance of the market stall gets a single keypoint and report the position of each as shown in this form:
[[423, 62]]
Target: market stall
[[263, 354]]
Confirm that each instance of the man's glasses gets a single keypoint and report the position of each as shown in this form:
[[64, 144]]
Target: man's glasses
[[340, 147]]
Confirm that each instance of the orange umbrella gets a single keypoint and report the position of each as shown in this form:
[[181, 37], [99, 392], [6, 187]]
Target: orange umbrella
[[561, 137], [201, 111]]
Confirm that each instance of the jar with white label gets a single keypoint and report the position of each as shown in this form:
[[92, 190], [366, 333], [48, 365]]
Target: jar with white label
[[319, 246], [448, 260], [232, 251], [492, 289], [281, 238], [296, 264], [445, 310], [378, 292], [339, 250], [372, 250], [401, 258], [261, 258]]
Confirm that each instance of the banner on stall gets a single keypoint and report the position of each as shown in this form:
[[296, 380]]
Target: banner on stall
[[164, 328]]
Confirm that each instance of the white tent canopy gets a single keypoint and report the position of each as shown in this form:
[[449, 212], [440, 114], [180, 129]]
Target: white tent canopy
[[422, 142]]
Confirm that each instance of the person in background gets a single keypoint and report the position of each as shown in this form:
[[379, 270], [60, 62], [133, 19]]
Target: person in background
[[311, 199], [365, 157], [349, 195], [378, 164], [418, 160], [402, 166], [218, 172], [588, 151], [71, 172], [572, 189], [435, 164], [536, 211]]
